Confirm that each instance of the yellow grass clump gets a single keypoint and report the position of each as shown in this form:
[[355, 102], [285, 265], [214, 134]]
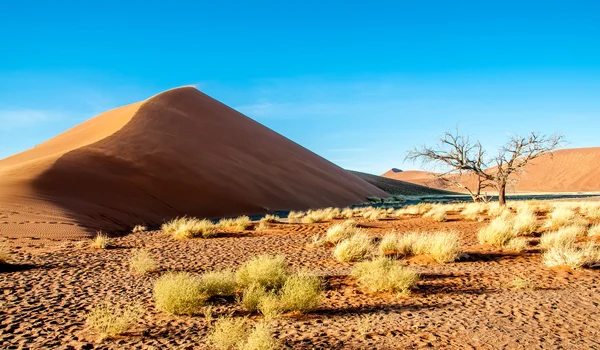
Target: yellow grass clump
[[497, 233], [179, 293], [185, 227], [141, 262], [437, 213], [563, 216], [295, 216], [594, 230], [355, 248], [341, 231], [240, 223], [270, 306], [517, 244], [109, 320], [229, 333], [270, 218], [574, 257], [443, 247], [101, 241], [4, 253], [252, 295], [139, 228], [382, 274], [301, 293], [590, 210], [525, 222], [474, 211], [563, 237], [267, 271], [221, 283], [261, 338]]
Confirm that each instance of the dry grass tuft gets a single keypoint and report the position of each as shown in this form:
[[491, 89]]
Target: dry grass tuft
[[355, 248], [382, 274], [517, 244], [522, 283], [301, 293], [141, 262], [4, 253], [498, 233], [588, 256], [474, 211], [437, 213], [139, 228], [270, 306], [525, 222], [561, 216], [252, 296], [338, 232], [443, 247], [182, 228], [270, 218], [240, 223], [218, 283], [261, 338], [179, 293], [561, 238], [229, 333], [265, 270], [101, 241], [594, 230], [108, 320]]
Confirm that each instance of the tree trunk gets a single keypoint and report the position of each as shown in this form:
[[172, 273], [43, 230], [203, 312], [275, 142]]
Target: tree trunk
[[502, 194]]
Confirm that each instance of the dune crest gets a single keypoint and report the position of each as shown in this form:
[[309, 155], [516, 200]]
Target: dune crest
[[177, 153]]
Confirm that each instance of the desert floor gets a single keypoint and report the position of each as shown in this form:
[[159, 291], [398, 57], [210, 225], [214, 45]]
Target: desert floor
[[50, 286]]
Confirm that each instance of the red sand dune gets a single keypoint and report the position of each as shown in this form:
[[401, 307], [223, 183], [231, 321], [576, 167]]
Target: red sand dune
[[177, 153], [567, 170]]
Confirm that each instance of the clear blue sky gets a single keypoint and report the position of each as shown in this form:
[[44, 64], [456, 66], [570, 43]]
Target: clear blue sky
[[359, 83]]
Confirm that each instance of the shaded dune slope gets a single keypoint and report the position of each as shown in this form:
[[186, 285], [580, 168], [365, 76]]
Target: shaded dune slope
[[177, 153], [397, 187], [566, 170]]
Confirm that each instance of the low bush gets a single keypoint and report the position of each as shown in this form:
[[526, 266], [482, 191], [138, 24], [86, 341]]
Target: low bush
[[301, 293], [179, 293], [182, 228], [141, 262], [265, 270], [109, 320], [218, 283], [355, 248], [382, 274]]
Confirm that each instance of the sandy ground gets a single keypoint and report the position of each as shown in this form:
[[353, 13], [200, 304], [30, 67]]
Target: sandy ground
[[469, 304]]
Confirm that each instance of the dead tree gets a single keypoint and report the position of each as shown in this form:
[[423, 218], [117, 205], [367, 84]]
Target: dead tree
[[465, 160]]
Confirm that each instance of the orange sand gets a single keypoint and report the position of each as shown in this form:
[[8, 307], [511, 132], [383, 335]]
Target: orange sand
[[177, 153]]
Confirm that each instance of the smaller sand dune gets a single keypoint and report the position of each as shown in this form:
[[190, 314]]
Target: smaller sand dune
[[567, 170]]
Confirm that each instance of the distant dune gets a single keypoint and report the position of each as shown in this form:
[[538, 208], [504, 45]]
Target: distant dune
[[177, 153], [567, 170], [398, 187]]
